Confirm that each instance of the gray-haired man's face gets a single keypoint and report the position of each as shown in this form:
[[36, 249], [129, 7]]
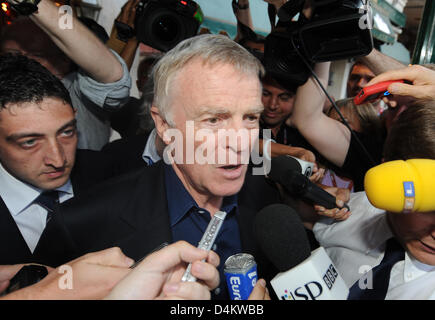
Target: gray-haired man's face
[[213, 99]]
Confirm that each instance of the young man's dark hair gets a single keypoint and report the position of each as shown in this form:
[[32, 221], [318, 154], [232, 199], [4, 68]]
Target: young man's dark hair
[[412, 134], [25, 80]]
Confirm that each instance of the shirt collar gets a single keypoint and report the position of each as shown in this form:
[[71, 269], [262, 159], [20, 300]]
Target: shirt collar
[[150, 151], [65, 191], [18, 195], [180, 202], [414, 269], [229, 203]]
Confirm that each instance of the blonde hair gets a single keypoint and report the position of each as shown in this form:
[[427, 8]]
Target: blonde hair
[[367, 115], [211, 49]]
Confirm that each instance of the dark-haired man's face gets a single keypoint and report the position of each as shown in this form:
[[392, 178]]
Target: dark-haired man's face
[[38, 142], [278, 105], [358, 79], [416, 231]]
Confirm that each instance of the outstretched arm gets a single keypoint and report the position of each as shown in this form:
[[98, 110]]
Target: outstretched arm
[[127, 50], [330, 137], [379, 62], [243, 15], [79, 44]]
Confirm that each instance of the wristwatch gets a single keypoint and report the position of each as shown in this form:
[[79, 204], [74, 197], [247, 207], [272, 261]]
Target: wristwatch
[[26, 7], [124, 31], [237, 6]]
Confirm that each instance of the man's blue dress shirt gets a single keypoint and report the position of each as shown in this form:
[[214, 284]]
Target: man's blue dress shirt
[[189, 222]]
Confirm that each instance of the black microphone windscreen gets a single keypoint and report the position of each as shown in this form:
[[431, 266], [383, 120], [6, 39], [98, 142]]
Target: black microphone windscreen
[[281, 236], [280, 166]]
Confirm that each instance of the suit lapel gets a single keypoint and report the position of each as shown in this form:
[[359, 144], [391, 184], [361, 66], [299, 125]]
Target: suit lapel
[[246, 226], [148, 214], [13, 247]]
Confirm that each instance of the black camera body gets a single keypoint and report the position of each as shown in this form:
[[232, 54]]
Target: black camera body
[[334, 31], [162, 24]]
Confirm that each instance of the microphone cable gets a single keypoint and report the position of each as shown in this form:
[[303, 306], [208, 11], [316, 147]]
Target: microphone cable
[[363, 148]]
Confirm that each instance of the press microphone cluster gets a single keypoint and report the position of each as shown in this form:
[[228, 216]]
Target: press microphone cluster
[[287, 171], [402, 186], [303, 275]]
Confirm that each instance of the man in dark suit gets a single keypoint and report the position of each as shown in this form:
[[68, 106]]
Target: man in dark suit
[[213, 83], [39, 166]]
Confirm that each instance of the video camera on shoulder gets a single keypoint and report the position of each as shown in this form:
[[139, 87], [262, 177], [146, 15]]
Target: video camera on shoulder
[[335, 30], [162, 24]]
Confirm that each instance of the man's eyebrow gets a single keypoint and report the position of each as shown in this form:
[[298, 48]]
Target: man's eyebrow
[[72, 123], [257, 109], [212, 110], [17, 136], [14, 137], [217, 111]]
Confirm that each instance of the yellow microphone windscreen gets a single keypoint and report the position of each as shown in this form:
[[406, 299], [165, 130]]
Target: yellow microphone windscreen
[[399, 186]]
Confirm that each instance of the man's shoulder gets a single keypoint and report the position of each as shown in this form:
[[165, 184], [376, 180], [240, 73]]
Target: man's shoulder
[[119, 196], [257, 191], [125, 184], [134, 145], [90, 168], [365, 221], [361, 209], [122, 211]]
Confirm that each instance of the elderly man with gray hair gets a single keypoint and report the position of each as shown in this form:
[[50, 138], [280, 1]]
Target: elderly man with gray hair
[[206, 88]]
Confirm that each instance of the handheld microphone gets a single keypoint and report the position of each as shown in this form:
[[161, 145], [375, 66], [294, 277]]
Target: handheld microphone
[[286, 171], [402, 186], [295, 164], [306, 166], [303, 276], [374, 92]]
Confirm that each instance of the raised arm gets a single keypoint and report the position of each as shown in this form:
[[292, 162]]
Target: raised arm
[[330, 137], [127, 50], [243, 14], [378, 62], [79, 44]]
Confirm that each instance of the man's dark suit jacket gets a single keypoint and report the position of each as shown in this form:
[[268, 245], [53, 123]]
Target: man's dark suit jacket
[[127, 153], [90, 168], [131, 212]]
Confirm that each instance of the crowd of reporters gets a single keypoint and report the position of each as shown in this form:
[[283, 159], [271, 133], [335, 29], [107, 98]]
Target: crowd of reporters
[[48, 146]]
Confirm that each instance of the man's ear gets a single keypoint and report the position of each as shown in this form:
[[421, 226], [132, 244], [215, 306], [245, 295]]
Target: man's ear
[[160, 123]]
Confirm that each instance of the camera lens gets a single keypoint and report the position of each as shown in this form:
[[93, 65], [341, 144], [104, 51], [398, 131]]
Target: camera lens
[[161, 26], [165, 27]]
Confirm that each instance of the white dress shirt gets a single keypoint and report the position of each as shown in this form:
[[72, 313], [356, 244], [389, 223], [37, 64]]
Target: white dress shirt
[[150, 154], [29, 217], [359, 243]]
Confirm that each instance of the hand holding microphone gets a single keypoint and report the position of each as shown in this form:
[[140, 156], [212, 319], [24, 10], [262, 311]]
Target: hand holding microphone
[[287, 171], [159, 275], [341, 212]]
